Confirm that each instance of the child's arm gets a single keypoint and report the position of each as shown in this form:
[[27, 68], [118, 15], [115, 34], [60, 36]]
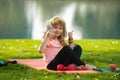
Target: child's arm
[[48, 35], [70, 39], [43, 45], [44, 42]]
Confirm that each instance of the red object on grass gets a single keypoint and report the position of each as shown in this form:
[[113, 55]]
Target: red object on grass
[[112, 66], [60, 67], [71, 67]]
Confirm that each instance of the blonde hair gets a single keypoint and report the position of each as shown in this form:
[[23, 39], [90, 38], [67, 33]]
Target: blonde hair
[[58, 21]]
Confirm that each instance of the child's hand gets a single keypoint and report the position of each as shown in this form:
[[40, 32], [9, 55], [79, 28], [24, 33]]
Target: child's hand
[[70, 34], [49, 27], [50, 33]]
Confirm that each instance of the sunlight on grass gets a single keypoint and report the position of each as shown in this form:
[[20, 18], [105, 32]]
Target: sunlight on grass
[[97, 52], [19, 49]]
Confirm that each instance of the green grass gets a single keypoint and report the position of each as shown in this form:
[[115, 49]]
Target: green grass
[[95, 51]]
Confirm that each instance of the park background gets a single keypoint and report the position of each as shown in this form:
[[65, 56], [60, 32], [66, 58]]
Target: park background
[[90, 19], [96, 25]]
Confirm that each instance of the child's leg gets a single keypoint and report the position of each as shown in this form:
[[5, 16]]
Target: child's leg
[[65, 56], [77, 50], [70, 54], [60, 58]]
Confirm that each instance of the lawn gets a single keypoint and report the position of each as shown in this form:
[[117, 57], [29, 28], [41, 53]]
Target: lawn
[[98, 52]]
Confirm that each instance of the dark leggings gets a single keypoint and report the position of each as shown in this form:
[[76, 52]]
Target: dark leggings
[[65, 56], [77, 51]]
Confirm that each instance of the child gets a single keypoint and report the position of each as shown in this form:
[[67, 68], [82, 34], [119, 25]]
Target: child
[[55, 50]]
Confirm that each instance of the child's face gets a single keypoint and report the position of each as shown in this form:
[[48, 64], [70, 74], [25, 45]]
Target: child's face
[[57, 30]]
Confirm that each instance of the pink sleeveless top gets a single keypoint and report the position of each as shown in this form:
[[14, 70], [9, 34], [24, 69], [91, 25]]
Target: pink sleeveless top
[[52, 49]]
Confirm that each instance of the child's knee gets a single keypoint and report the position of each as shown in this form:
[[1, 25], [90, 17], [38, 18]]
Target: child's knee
[[77, 47], [67, 47]]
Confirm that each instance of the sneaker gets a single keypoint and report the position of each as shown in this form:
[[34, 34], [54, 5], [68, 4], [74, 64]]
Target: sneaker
[[60, 67], [72, 67]]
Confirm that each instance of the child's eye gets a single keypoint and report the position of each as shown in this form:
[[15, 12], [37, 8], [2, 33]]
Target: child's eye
[[55, 27], [60, 28]]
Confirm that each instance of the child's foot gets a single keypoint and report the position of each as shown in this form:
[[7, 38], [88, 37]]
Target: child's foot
[[82, 67], [89, 67]]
